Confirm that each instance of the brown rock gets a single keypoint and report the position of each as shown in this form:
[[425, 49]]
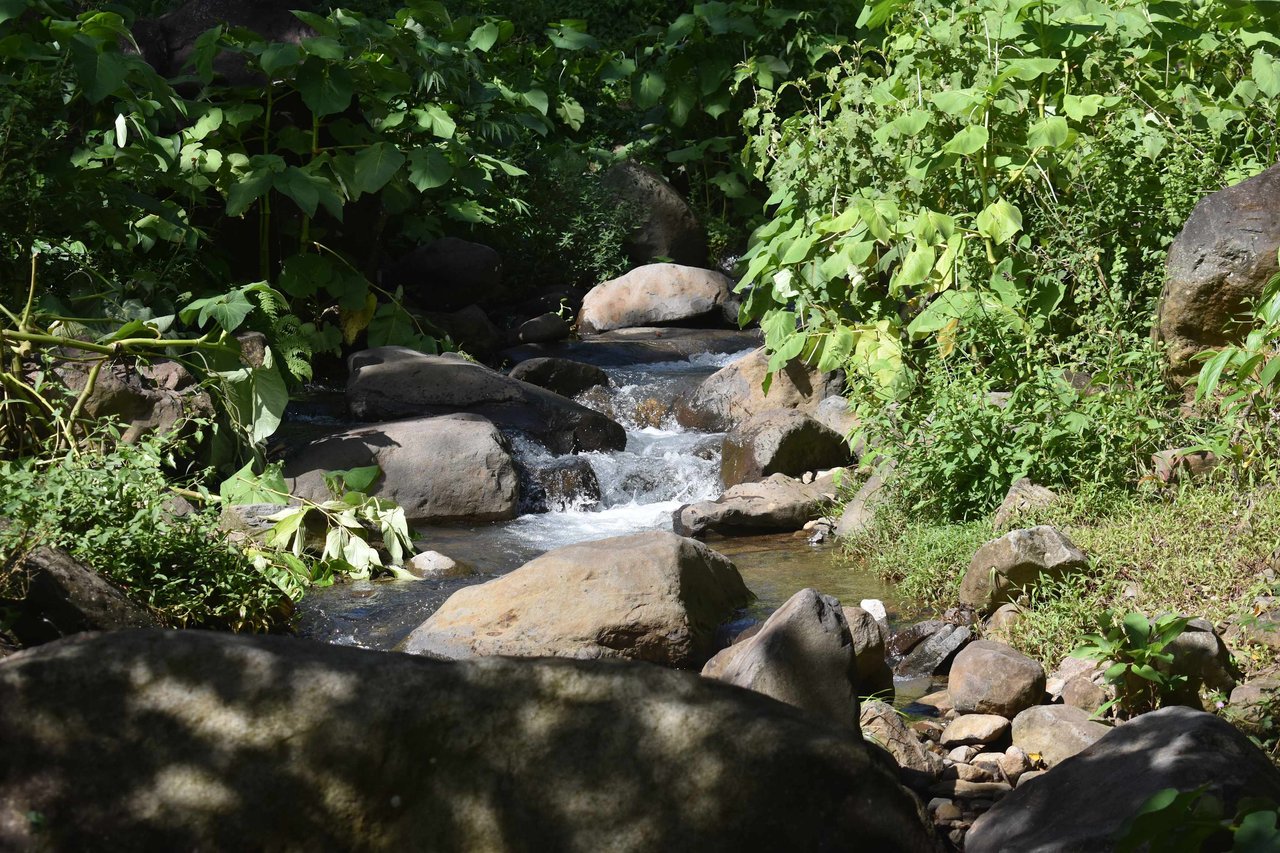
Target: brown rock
[[991, 678], [734, 393], [1005, 566], [659, 294]]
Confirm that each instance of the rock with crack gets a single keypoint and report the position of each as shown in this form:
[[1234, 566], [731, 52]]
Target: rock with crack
[[777, 503]]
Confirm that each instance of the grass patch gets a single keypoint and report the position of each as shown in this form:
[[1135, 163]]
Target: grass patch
[[1200, 551]]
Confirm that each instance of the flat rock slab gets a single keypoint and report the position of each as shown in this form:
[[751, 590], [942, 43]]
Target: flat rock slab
[[396, 382], [776, 503], [651, 596], [933, 655], [192, 740], [642, 346]]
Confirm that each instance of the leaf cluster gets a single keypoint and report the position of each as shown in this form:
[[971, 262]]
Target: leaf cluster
[[1134, 649]]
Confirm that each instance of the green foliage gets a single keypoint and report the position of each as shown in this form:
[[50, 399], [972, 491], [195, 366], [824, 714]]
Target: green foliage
[[1244, 381], [1196, 820], [975, 181], [1134, 648], [112, 513]]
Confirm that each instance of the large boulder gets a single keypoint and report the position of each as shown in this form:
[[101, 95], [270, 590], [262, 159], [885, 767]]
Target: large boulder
[[777, 503], [395, 382], [147, 399], [992, 678], [560, 375], [448, 274], [803, 655], [666, 226], [1218, 265], [1056, 732], [64, 597], [202, 741], [1004, 567], [735, 392], [860, 512], [659, 294], [649, 596], [781, 441], [1085, 802], [450, 468]]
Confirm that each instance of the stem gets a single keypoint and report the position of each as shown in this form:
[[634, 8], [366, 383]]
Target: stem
[[118, 346], [31, 295], [90, 382]]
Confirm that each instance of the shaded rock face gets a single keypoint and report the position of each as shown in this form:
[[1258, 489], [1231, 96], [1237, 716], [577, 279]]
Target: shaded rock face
[[168, 42], [1085, 801], [782, 441], [803, 655], [1005, 566], [1200, 655], [1217, 266], [195, 740], [992, 678], [883, 726], [448, 274], [933, 654], [659, 294], [667, 226], [560, 375], [451, 468], [776, 503], [649, 596], [65, 597], [860, 511], [544, 329], [395, 382], [1056, 732], [471, 329], [733, 393], [869, 637], [153, 399]]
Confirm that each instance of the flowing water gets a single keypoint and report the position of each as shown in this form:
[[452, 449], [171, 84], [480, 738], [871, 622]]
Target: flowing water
[[662, 467]]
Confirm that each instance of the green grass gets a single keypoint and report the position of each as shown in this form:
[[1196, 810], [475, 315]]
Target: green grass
[[1200, 551]]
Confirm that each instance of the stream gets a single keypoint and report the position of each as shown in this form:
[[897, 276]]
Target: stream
[[662, 467]]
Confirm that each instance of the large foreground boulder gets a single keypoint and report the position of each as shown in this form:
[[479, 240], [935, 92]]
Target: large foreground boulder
[[201, 741], [735, 393], [450, 468], [782, 441], [1218, 265], [803, 655], [666, 226], [1004, 567], [1083, 803], [396, 382], [648, 596], [777, 503], [659, 294]]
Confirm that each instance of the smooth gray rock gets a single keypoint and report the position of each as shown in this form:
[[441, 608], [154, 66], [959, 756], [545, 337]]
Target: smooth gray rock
[[1005, 566], [666, 226], [1203, 659], [471, 330], [776, 503], [650, 596], [559, 375], [451, 468], [396, 382], [780, 441], [1083, 803], [1218, 266], [802, 655], [1056, 732], [860, 511], [193, 740], [659, 294], [933, 656], [734, 393], [992, 678]]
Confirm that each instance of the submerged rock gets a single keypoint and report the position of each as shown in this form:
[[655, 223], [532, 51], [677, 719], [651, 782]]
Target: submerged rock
[[200, 741], [649, 596]]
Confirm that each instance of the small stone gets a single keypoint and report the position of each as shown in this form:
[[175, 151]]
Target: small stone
[[875, 607], [1014, 763], [947, 812], [962, 754], [941, 700], [936, 803], [432, 565], [928, 729], [974, 729]]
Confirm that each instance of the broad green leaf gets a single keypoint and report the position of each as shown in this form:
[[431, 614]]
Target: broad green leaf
[[1212, 372], [375, 165], [1049, 132], [839, 345], [537, 99], [1078, 107], [969, 140], [323, 47], [571, 113], [798, 249], [649, 89], [10, 9], [277, 57], [356, 479], [247, 190], [228, 310], [101, 73], [1030, 68], [1266, 73], [955, 102], [429, 168], [245, 487], [326, 89], [1000, 221], [483, 37], [915, 267], [1136, 628], [441, 124], [301, 187]]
